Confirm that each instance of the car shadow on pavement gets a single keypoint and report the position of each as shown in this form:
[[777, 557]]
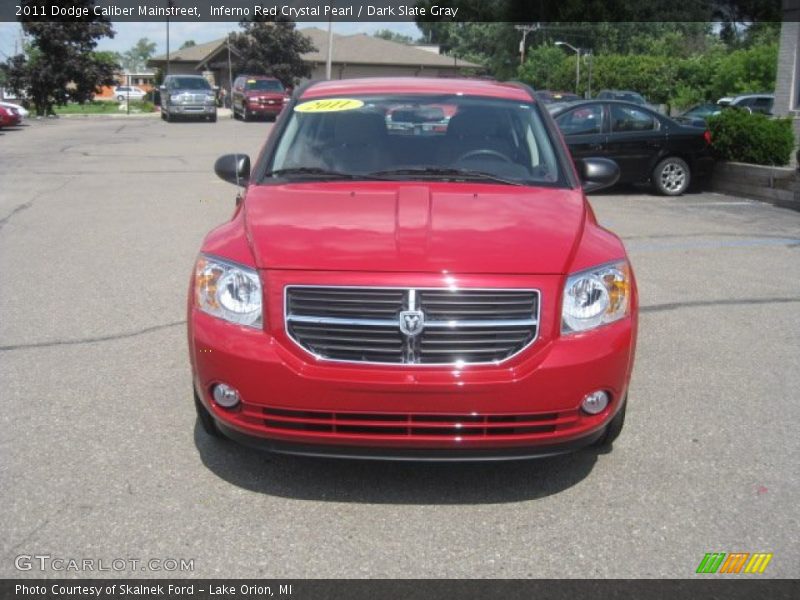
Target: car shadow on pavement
[[387, 482]]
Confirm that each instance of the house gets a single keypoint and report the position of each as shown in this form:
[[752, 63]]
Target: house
[[787, 80], [358, 55]]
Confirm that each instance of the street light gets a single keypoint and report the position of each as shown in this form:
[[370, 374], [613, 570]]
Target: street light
[[577, 51]]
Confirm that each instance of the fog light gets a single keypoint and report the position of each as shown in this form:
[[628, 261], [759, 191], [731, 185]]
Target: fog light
[[595, 402], [226, 396]]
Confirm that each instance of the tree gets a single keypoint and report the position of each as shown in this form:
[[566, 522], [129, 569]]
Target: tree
[[59, 63], [188, 44], [271, 48], [135, 59], [393, 36], [548, 68]]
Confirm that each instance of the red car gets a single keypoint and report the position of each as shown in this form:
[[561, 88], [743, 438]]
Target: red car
[[257, 96], [9, 117], [429, 296]]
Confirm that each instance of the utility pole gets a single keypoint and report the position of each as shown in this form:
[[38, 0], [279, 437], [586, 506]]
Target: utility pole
[[229, 95], [525, 29], [329, 60], [170, 4], [590, 58]]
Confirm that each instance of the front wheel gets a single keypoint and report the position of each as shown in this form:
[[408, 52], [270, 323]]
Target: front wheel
[[207, 422], [614, 428], [672, 176], [213, 118]]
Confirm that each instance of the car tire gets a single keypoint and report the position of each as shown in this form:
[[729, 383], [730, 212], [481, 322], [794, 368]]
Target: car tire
[[120, 98], [213, 118], [245, 114], [671, 176], [614, 428], [205, 419]]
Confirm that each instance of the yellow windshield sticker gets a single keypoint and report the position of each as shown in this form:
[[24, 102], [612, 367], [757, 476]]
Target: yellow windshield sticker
[[328, 105], [251, 81]]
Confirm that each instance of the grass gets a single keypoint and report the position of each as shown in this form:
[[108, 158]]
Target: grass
[[100, 107]]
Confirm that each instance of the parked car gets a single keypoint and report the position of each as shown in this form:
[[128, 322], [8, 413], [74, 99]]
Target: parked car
[[647, 146], [188, 96], [623, 95], [123, 93], [9, 117], [21, 111], [550, 97], [443, 295], [698, 114], [257, 95], [754, 103]]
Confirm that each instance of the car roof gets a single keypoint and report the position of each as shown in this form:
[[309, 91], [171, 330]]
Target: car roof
[[419, 85], [754, 95], [259, 77], [568, 105]]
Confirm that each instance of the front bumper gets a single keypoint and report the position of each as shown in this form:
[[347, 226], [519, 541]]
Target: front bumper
[[410, 454], [192, 109], [263, 109], [527, 406]]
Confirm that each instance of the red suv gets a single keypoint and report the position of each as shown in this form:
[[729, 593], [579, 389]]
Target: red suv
[[257, 96], [442, 295]]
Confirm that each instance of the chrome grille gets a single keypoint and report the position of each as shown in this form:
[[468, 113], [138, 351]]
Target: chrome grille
[[364, 324]]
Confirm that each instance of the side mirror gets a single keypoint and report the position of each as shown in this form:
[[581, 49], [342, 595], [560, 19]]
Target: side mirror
[[597, 173], [233, 168]]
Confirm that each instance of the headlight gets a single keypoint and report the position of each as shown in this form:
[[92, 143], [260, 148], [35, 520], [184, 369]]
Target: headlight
[[596, 297], [228, 291], [210, 100]]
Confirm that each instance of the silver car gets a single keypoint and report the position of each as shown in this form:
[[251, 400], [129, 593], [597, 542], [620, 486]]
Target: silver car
[[188, 96], [128, 92]]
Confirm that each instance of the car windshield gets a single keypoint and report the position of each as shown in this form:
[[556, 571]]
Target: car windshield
[[190, 83], [624, 96], [417, 137], [264, 85], [702, 110]]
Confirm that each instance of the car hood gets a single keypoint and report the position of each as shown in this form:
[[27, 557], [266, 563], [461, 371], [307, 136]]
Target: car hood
[[409, 227], [258, 94]]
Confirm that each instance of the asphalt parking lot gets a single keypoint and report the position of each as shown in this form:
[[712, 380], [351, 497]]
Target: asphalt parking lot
[[100, 221]]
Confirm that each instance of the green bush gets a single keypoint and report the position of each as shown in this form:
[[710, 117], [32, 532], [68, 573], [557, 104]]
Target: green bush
[[751, 138], [143, 106]]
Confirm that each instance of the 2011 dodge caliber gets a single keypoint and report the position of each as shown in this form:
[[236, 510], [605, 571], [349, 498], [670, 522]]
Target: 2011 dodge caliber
[[440, 290]]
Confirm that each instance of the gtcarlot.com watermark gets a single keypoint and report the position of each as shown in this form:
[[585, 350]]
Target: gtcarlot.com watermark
[[48, 562]]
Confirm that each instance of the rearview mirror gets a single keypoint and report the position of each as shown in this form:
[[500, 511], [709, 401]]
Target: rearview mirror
[[597, 173], [233, 168]]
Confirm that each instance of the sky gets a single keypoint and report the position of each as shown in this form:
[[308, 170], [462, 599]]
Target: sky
[[127, 33]]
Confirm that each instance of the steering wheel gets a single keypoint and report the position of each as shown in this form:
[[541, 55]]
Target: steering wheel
[[484, 152]]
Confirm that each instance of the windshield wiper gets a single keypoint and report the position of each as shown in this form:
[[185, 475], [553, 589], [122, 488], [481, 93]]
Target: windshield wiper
[[448, 173], [318, 172]]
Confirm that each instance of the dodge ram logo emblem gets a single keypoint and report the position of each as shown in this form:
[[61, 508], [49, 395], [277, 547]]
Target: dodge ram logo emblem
[[412, 322]]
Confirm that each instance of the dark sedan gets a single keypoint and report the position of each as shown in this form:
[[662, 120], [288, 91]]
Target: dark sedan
[[647, 146], [698, 114]]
